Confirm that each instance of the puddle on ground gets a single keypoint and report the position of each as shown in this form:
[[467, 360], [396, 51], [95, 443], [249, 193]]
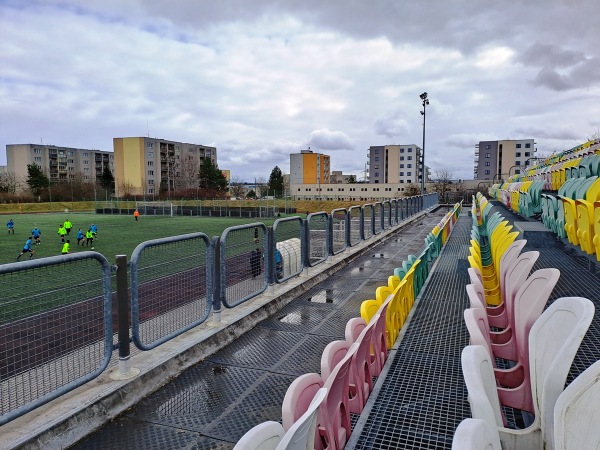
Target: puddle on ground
[[323, 296]]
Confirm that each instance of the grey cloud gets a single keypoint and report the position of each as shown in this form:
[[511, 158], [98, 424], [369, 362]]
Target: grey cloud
[[547, 55], [325, 139], [551, 79], [547, 133], [391, 125]]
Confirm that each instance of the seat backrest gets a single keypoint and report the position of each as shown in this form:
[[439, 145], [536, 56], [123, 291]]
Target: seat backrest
[[479, 378], [298, 397], [264, 436], [475, 275], [333, 353], [514, 278], [478, 327], [382, 293], [528, 306], [334, 415], [354, 327], [554, 340], [368, 309], [476, 434], [301, 435], [508, 257], [378, 337], [476, 296], [576, 414]]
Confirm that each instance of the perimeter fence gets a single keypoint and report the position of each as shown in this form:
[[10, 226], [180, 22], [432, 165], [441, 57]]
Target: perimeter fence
[[62, 318]]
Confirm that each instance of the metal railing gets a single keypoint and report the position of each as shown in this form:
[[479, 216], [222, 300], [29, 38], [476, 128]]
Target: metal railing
[[55, 328], [57, 333]]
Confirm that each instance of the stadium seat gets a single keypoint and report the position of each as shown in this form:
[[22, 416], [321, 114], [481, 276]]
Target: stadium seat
[[576, 414], [554, 340], [333, 421], [476, 434], [585, 217], [353, 329], [264, 436], [298, 397], [302, 434]]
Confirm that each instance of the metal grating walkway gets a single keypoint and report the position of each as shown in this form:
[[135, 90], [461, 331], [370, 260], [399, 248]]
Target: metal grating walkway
[[211, 405]]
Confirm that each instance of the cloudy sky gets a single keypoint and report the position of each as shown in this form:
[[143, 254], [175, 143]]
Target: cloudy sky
[[261, 79]]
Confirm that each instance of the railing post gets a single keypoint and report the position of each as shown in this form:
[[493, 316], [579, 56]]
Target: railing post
[[125, 369], [270, 260], [216, 296], [329, 227]]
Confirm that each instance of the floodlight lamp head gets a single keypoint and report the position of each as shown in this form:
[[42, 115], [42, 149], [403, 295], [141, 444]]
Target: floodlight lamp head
[[423, 96]]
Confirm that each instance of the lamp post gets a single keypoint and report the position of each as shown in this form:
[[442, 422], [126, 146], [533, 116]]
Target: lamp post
[[425, 100]]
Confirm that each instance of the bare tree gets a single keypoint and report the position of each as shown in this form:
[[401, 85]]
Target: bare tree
[[126, 189], [189, 172], [443, 182], [412, 190], [8, 182], [236, 187], [261, 187]]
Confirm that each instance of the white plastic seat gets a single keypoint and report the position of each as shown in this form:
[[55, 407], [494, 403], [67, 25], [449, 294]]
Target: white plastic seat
[[553, 341], [301, 435], [264, 436], [576, 414], [476, 434]]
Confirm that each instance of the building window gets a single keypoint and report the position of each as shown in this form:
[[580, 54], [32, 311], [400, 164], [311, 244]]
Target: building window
[[71, 161], [487, 163], [527, 145], [86, 170], [401, 150], [409, 157], [37, 151], [402, 158], [518, 145], [377, 158], [150, 154], [409, 150], [151, 182], [376, 174], [408, 174], [518, 154], [409, 165], [86, 162], [377, 166], [38, 158], [518, 163], [488, 155], [151, 172], [85, 155], [527, 153], [487, 172], [149, 144], [517, 172], [376, 150], [150, 163], [401, 174], [150, 191], [488, 147]]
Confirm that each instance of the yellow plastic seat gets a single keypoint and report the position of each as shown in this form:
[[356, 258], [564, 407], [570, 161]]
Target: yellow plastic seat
[[585, 218], [596, 238]]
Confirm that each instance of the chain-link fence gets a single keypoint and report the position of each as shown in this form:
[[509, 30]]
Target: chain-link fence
[[288, 258], [339, 230], [367, 213], [317, 242], [355, 222], [171, 287], [55, 328], [243, 265]]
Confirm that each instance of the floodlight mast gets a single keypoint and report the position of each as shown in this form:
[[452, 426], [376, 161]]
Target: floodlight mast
[[425, 100]]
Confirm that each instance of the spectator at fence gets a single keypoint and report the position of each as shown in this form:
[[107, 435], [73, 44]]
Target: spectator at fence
[[62, 231], [80, 236], [11, 227], [27, 249], [255, 257], [136, 214], [68, 225], [66, 247], [36, 233], [89, 238]]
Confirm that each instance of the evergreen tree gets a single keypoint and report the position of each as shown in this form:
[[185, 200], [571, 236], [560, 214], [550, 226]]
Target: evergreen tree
[[251, 194], [107, 180], [211, 177], [36, 179], [275, 185]]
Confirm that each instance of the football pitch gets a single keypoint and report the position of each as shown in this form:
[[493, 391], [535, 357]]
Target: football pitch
[[117, 234]]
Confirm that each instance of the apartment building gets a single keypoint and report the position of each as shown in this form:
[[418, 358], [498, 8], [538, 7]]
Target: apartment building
[[393, 164], [308, 167], [497, 160], [147, 166], [59, 163]]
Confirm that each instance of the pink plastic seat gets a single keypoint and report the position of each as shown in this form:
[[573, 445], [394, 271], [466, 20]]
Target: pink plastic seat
[[361, 370], [354, 327], [334, 415], [301, 435], [379, 350], [298, 397], [335, 351]]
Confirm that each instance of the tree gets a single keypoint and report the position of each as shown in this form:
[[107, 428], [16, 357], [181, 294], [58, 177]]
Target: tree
[[189, 173], [412, 190], [36, 179], [8, 182], [443, 182], [211, 177], [251, 194], [351, 179], [236, 187], [261, 187], [107, 180], [275, 184]]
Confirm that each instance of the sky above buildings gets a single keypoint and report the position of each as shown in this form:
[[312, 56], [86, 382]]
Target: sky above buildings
[[262, 79]]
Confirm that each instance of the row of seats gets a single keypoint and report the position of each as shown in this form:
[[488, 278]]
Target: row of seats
[[535, 348], [316, 408], [574, 213]]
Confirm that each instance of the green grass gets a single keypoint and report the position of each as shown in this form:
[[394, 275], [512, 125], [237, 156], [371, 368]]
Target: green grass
[[116, 234]]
